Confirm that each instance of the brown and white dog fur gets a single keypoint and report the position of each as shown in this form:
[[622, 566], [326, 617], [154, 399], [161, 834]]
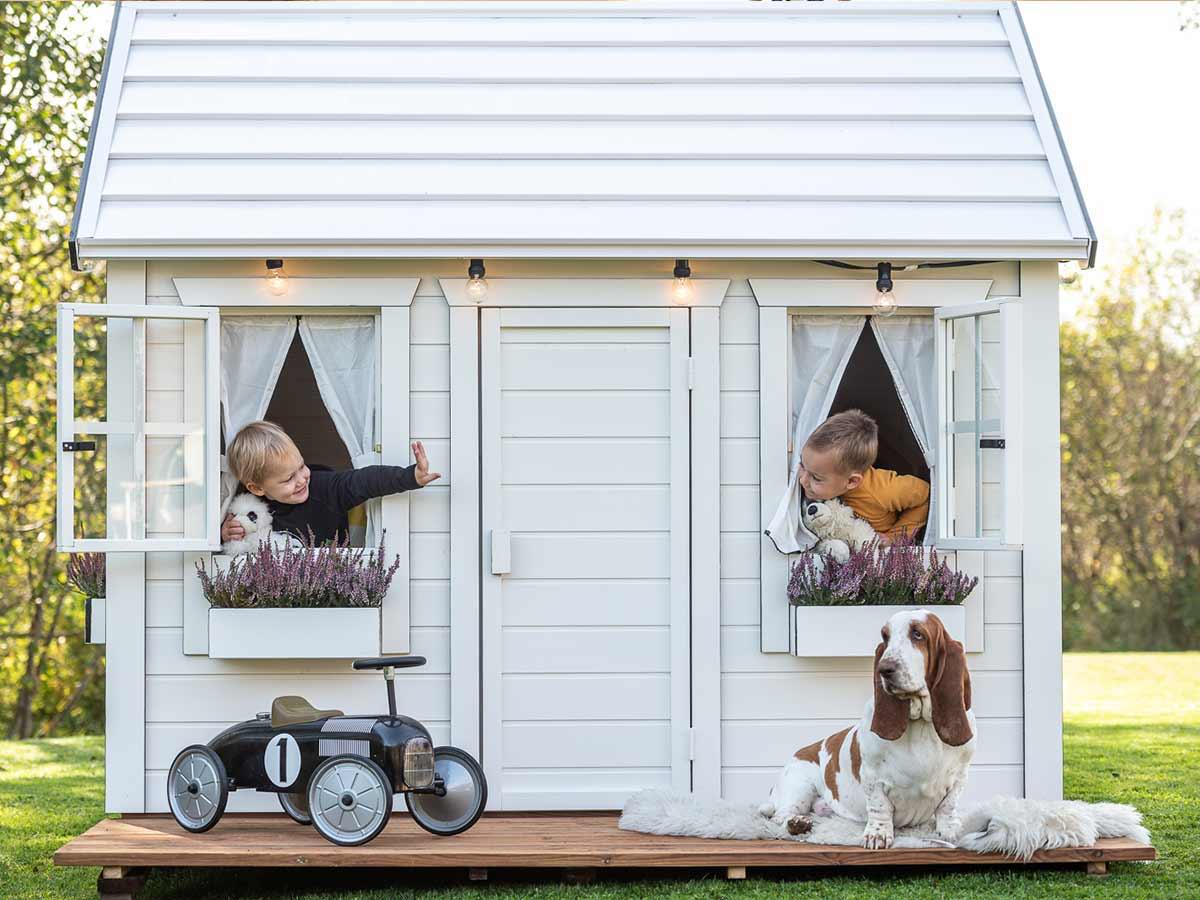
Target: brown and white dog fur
[[905, 762]]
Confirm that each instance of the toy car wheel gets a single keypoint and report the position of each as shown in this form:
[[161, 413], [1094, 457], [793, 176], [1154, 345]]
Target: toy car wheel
[[296, 806], [349, 799], [197, 788], [462, 804]]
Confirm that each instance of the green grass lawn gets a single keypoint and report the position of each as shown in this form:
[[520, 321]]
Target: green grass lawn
[[1132, 735]]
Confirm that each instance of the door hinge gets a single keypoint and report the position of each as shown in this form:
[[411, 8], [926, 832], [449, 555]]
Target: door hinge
[[691, 373], [692, 743]]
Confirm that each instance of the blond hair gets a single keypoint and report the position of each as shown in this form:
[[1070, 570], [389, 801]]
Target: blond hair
[[256, 449], [853, 437]]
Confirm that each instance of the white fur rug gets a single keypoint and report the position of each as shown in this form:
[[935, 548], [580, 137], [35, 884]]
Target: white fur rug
[[1008, 825]]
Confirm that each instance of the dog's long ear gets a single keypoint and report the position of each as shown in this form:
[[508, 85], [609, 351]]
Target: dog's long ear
[[891, 714], [951, 694]]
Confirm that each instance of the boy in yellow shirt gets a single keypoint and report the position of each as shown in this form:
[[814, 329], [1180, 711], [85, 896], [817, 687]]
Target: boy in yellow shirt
[[838, 460]]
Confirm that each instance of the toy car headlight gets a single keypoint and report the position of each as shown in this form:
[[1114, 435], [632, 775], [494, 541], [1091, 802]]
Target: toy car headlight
[[418, 763]]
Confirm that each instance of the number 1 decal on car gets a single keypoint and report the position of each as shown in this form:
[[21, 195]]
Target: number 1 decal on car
[[281, 760]]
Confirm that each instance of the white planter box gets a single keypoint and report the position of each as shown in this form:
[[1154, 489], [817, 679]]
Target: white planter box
[[93, 620], [854, 630], [293, 633]]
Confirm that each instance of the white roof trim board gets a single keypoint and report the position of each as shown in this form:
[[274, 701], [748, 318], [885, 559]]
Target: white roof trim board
[[576, 129]]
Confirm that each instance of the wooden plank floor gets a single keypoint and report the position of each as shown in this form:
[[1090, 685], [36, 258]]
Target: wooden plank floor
[[500, 841]]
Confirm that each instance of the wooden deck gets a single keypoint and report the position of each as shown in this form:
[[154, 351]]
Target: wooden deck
[[576, 841]]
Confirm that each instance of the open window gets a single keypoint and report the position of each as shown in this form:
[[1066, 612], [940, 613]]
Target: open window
[[943, 389], [137, 469], [979, 352], [317, 377]]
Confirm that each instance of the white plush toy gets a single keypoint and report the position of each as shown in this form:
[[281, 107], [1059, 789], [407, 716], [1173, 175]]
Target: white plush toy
[[839, 530], [254, 516]]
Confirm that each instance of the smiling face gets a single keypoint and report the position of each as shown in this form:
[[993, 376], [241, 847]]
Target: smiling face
[[821, 477], [286, 480]]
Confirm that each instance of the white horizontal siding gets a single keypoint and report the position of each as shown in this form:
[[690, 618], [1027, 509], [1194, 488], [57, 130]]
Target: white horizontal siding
[[489, 125]]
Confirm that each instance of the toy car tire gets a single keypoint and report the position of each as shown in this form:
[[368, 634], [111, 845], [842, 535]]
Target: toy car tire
[[466, 794], [349, 786], [197, 788], [296, 806]]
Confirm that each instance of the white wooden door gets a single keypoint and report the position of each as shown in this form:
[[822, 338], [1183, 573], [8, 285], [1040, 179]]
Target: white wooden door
[[585, 618]]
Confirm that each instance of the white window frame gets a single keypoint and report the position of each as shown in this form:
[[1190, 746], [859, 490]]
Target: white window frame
[[1008, 426], [135, 424]]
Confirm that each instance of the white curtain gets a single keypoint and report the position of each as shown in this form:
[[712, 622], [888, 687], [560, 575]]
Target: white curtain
[[342, 352], [253, 349], [906, 343], [821, 347]]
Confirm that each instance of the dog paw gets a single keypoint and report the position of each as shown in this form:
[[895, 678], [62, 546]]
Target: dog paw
[[878, 836], [799, 825], [837, 549]]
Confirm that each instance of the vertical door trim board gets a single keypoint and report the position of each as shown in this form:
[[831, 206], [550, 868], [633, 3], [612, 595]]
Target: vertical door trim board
[[680, 553], [393, 411], [465, 709], [125, 650], [1041, 561], [491, 614], [773, 378], [706, 551]]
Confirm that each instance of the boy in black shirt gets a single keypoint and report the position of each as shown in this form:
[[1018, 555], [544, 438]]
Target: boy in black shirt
[[267, 462]]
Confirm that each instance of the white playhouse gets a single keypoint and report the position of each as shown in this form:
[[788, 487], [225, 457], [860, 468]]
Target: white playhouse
[[595, 256]]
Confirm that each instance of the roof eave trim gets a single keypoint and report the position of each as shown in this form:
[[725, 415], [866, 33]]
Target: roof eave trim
[[1077, 249], [73, 236]]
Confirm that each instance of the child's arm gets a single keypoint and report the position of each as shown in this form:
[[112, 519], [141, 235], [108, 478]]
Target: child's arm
[[348, 489], [908, 496]]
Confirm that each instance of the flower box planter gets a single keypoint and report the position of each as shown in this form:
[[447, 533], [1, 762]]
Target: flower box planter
[[93, 620], [310, 633], [854, 630]]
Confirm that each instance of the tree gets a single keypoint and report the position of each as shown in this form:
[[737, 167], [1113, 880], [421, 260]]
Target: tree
[[1131, 448], [49, 680]]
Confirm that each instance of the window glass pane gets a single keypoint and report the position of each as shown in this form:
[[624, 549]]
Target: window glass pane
[[975, 467], [90, 468]]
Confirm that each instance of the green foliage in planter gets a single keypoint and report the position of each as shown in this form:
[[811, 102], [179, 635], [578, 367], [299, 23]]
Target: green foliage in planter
[[300, 578], [901, 573]]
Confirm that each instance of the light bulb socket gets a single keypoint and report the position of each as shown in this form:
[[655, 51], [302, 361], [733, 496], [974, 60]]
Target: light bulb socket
[[476, 269], [883, 282], [273, 264], [682, 269]]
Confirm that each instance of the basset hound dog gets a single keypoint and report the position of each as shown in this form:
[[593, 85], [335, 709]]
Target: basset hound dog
[[905, 762]]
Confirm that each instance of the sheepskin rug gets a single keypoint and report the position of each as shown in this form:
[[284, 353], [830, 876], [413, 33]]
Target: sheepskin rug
[[1008, 825]]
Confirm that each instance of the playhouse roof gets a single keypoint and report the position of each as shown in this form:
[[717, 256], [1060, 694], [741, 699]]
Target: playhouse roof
[[716, 129]]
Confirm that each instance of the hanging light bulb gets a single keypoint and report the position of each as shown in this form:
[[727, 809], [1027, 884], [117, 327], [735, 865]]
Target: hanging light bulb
[[477, 286], [681, 289], [277, 279], [885, 297]]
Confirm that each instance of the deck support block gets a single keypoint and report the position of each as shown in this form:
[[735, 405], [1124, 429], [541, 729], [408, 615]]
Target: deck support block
[[120, 882], [735, 873], [1098, 869], [477, 874]]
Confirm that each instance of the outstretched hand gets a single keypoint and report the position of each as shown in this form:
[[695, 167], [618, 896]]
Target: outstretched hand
[[423, 475]]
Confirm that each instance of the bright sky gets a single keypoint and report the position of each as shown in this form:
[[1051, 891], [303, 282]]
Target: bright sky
[[1123, 79]]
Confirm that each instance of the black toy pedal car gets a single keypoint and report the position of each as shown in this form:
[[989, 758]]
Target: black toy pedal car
[[333, 771]]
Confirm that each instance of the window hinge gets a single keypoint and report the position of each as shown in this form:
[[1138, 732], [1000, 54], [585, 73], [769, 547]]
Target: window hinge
[[691, 743], [691, 373]]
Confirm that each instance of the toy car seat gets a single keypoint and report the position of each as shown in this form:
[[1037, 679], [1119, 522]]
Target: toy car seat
[[287, 711]]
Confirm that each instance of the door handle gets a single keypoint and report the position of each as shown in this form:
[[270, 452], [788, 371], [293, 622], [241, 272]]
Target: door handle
[[501, 551]]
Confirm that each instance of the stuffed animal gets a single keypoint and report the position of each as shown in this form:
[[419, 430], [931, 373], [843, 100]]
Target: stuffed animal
[[836, 526], [255, 518]]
